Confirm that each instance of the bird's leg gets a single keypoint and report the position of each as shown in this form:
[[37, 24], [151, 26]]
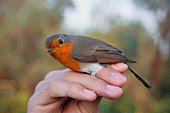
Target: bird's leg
[[93, 73]]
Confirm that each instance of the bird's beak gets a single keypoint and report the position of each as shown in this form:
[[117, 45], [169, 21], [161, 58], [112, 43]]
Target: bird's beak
[[50, 49]]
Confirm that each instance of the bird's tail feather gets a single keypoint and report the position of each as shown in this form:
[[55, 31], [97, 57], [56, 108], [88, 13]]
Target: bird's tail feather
[[145, 82]]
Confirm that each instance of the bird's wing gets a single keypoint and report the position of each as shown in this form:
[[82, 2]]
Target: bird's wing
[[103, 53]]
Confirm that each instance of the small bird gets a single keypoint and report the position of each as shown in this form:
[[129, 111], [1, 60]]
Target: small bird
[[85, 54]]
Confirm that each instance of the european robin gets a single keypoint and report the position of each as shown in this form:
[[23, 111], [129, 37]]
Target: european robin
[[85, 54]]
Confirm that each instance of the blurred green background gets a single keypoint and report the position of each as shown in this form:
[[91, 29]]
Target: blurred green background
[[141, 29]]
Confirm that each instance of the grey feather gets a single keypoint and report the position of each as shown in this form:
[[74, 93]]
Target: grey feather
[[93, 50]]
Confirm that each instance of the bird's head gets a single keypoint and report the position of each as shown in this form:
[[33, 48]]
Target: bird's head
[[56, 41]]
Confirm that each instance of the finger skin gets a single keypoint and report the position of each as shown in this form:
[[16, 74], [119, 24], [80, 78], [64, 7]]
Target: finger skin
[[97, 85], [120, 67], [51, 94], [111, 76], [47, 89], [56, 74], [58, 86]]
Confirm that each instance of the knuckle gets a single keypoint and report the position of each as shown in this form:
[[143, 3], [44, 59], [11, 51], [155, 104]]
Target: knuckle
[[40, 85], [50, 75]]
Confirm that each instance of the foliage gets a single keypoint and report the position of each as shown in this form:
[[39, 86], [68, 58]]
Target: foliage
[[14, 102], [24, 26]]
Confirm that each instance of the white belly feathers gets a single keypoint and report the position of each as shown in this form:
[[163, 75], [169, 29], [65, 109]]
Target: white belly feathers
[[91, 68]]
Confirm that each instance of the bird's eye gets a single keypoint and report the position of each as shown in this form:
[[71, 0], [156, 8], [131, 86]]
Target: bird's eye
[[60, 41]]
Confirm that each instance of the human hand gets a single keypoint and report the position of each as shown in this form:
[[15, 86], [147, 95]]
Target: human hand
[[66, 91]]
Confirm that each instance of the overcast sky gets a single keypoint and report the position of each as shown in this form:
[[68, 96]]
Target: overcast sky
[[83, 16]]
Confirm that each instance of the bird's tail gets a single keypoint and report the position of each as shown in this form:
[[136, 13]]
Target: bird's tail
[[145, 82]]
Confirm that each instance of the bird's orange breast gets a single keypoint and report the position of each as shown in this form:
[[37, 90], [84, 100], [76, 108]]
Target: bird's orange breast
[[63, 55]]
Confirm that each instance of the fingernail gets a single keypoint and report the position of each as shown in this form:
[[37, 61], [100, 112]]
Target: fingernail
[[113, 88], [88, 92]]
